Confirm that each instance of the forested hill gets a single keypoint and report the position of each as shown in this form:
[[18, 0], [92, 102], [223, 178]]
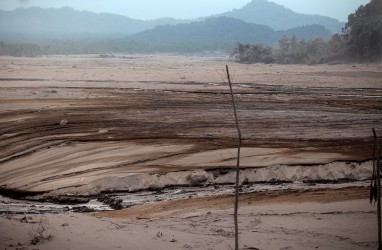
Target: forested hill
[[212, 29], [225, 32], [279, 17]]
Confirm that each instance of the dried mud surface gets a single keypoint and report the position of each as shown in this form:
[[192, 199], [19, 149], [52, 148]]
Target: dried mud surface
[[74, 127], [74, 120]]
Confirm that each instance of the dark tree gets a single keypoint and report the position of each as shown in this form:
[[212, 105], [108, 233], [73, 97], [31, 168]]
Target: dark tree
[[363, 32]]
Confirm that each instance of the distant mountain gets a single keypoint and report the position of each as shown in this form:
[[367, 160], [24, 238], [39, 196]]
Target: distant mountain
[[214, 33], [279, 17], [67, 21], [66, 30]]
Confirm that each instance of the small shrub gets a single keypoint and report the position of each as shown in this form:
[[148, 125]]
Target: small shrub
[[41, 233]]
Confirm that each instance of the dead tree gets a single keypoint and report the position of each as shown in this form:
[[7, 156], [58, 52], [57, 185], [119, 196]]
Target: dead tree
[[237, 184]]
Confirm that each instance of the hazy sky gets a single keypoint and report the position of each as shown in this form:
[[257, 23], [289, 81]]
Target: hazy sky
[[150, 9]]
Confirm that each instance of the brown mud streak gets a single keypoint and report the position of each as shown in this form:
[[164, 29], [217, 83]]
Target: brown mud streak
[[142, 115], [171, 208]]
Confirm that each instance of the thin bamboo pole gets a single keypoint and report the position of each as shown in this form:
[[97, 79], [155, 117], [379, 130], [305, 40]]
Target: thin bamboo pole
[[236, 209]]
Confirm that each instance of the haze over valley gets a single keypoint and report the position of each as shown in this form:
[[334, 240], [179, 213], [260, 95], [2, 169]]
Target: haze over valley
[[259, 21]]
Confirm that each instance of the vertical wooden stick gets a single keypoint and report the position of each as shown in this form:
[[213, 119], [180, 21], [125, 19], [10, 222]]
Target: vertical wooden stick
[[237, 164], [378, 172]]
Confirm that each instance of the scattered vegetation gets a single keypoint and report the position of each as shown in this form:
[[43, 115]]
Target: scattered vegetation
[[360, 41], [291, 51]]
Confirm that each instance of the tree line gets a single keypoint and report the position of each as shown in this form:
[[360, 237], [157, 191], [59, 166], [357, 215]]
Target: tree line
[[360, 41]]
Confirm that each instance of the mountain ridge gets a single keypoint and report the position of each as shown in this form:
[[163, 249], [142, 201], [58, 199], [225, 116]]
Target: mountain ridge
[[280, 18], [39, 20], [224, 32], [104, 32]]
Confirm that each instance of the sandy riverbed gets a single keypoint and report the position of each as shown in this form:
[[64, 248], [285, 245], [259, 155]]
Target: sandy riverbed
[[72, 120], [74, 123]]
